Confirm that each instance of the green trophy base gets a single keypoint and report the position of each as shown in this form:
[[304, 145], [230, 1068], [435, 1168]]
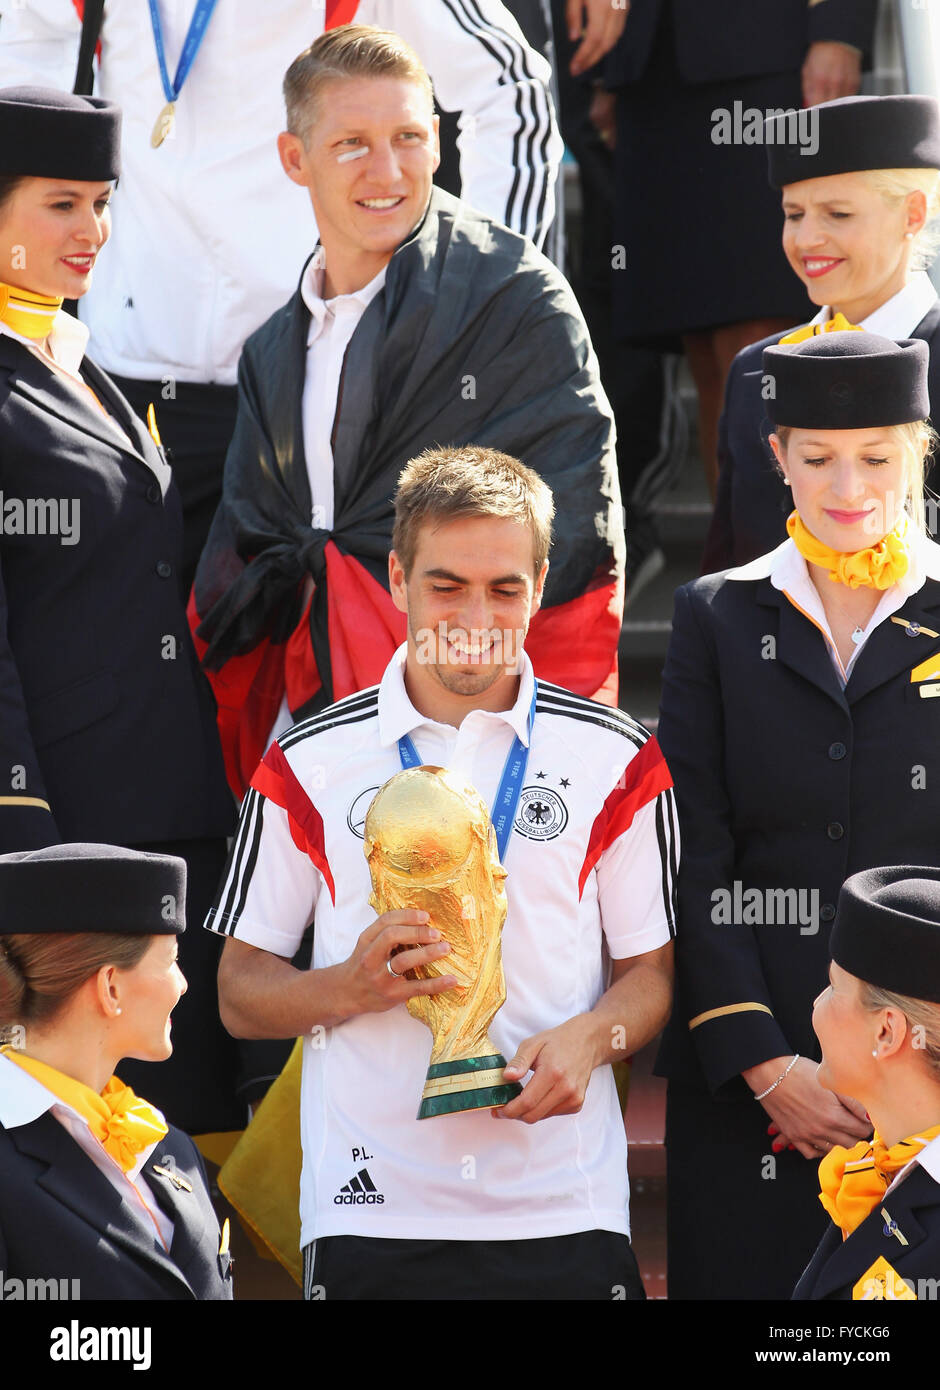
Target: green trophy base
[[471, 1083]]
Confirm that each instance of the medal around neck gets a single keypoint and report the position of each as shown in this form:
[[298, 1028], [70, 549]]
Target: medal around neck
[[163, 125], [430, 845]]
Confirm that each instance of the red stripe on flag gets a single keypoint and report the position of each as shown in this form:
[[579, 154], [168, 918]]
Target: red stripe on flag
[[340, 12], [365, 627], [248, 692], [301, 677], [274, 778], [574, 644], [642, 781]]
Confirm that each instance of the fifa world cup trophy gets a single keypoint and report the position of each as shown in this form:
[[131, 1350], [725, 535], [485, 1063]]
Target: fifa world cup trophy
[[430, 845]]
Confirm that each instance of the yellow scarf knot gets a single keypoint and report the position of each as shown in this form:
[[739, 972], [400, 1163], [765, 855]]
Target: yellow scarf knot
[[877, 566], [123, 1124], [838, 324], [853, 1181]]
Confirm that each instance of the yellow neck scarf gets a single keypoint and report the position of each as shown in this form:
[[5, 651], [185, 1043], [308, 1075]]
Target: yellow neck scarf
[[123, 1124], [32, 315], [877, 567], [853, 1181], [837, 324]]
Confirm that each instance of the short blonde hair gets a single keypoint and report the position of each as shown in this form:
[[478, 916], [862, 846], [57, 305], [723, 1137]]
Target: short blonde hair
[[895, 185], [444, 484], [352, 50], [918, 439]]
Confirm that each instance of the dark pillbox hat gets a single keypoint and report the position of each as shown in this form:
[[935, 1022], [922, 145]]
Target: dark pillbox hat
[[847, 381], [92, 888], [854, 133], [887, 930], [48, 134]]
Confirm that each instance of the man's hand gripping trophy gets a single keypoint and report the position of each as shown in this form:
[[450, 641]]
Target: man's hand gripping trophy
[[430, 846]]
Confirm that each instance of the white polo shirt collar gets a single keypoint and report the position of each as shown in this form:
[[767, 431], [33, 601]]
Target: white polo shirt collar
[[899, 315], [398, 716]]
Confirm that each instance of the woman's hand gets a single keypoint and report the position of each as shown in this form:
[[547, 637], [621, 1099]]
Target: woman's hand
[[804, 1113]]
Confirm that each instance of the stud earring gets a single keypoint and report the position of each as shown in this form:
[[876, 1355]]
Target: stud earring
[[908, 236], [118, 1011], [874, 1051]]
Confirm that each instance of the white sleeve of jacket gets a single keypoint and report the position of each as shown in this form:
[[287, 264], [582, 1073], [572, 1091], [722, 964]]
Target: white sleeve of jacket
[[39, 42], [482, 66]]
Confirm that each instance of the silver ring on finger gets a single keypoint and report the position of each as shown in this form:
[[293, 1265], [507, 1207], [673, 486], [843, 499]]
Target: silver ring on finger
[[394, 973]]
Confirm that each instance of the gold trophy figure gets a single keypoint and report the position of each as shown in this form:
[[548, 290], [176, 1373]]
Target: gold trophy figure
[[430, 845]]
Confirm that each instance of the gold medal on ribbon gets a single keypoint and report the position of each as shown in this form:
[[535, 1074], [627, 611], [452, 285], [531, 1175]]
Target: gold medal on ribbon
[[163, 125]]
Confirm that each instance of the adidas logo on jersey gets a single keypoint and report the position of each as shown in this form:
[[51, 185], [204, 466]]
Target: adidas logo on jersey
[[360, 1191]]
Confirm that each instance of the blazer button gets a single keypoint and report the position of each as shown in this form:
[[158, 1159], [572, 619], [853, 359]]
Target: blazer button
[[837, 751], [164, 569], [835, 830], [153, 493], [827, 912]]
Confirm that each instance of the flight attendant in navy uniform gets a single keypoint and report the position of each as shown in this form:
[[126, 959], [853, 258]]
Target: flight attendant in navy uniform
[[800, 725], [107, 731], [878, 1023], [96, 1190], [855, 230]]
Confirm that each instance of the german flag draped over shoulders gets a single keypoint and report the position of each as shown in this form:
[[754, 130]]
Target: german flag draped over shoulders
[[476, 338]]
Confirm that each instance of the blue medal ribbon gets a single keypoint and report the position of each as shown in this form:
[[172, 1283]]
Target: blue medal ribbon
[[510, 784], [194, 37]]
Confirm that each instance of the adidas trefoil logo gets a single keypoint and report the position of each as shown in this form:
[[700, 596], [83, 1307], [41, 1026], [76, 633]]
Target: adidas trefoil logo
[[360, 1191]]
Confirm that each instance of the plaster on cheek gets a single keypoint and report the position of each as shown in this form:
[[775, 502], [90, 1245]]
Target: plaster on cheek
[[352, 154]]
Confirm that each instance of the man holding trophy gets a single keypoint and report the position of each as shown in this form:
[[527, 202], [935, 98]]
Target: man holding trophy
[[540, 931]]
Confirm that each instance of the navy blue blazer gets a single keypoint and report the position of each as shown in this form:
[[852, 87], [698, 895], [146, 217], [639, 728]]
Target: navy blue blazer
[[60, 1218], [720, 39], [107, 727], [911, 1246], [752, 504], [784, 781]]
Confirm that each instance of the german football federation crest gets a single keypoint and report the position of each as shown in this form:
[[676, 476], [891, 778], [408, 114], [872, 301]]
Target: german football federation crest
[[542, 814]]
